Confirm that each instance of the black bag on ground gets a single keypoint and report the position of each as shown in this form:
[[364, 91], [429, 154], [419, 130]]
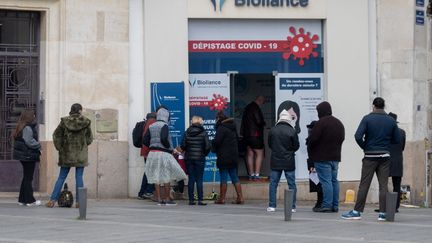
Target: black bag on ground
[[65, 198], [137, 133]]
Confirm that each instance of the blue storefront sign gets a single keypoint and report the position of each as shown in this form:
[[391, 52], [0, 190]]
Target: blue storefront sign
[[170, 95]]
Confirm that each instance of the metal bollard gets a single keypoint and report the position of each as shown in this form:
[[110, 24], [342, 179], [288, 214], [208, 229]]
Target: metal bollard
[[391, 201], [82, 200], [288, 199]]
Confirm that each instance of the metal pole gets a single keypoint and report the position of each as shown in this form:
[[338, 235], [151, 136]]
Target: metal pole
[[391, 201], [82, 200], [288, 200]]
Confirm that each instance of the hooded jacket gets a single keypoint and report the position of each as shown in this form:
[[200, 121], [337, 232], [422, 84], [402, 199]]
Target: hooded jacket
[[157, 136], [283, 142], [195, 143], [225, 144], [71, 138], [26, 146], [327, 136]]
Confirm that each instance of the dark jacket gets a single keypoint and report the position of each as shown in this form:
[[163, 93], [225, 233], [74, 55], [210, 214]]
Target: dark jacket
[[283, 142], [225, 144], [195, 143], [376, 132], [71, 138], [327, 136], [396, 156], [26, 146], [252, 124]]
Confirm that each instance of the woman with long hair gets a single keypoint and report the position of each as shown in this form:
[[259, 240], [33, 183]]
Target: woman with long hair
[[26, 149]]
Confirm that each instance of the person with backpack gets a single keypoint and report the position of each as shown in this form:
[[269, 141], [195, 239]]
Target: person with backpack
[[147, 189], [196, 145], [161, 166], [71, 138]]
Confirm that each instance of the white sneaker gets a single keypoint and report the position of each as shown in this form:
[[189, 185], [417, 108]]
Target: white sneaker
[[270, 209], [36, 203], [293, 210], [20, 203]]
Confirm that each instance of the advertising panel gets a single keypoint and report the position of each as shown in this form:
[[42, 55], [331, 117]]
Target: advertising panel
[[208, 94]]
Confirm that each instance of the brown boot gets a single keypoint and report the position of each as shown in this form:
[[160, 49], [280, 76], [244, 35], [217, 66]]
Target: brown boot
[[223, 190], [238, 189], [50, 204]]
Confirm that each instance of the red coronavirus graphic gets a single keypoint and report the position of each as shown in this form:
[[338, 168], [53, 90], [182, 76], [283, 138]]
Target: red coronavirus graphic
[[301, 45], [218, 102]]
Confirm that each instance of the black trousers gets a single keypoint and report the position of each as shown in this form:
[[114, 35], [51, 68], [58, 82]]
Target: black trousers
[[26, 190], [396, 180], [369, 168]]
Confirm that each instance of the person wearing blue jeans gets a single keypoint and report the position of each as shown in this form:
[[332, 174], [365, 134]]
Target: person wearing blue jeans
[[327, 174], [64, 171], [283, 142], [324, 149], [71, 139], [274, 182], [196, 173]]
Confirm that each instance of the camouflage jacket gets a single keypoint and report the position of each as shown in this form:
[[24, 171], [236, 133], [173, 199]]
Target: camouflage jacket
[[71, 139]]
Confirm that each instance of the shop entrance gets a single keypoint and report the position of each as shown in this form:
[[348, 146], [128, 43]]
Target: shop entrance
[[244, 88]]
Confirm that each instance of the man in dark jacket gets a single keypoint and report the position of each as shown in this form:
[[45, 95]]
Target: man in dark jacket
[[376, 132], [196, 146], [325, 144], [283, 142], [252, 130], [396, 163]]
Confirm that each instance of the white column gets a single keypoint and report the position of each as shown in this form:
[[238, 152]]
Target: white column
[[136, 90]]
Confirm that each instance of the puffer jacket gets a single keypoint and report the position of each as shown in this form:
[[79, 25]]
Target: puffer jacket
[[195, 143], [72, 138], [225, 144], [26, 145], [283, 142]]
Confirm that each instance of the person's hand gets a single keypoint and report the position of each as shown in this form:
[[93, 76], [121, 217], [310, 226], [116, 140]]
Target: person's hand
[[312, 170]]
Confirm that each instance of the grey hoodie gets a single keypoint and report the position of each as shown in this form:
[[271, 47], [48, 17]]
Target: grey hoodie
[[158, 137]]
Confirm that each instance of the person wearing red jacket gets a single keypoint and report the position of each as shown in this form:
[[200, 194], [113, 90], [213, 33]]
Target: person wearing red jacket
[[146, 191]]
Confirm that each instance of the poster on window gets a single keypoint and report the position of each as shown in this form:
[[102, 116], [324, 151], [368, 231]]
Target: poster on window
[[170, 95], [301, 92], [208, 94]]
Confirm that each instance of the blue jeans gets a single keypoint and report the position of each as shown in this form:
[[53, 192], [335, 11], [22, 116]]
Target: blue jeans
[[232, 172], [195, 168], [327, 174], [64, 171], [274, 182]]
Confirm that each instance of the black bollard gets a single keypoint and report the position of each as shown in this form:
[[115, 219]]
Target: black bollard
[[288, 199], [82, 200], [391, 201]]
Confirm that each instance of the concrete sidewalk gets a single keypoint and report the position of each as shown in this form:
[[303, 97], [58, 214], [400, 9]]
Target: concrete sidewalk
[[143, 221]]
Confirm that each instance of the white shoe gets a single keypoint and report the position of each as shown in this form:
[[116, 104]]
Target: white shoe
[[20, 203], [271, 209], [293, 210], [36, 203]]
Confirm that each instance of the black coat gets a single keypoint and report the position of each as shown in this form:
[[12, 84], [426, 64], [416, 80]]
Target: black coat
[[195, 143], [396, 156], [225, 144], [252, 124], [283, 142], [22, 151]]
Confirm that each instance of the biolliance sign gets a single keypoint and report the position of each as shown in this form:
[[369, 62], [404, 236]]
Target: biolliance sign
[[291, 48], [170, 95], [208, 94], [302, 92]]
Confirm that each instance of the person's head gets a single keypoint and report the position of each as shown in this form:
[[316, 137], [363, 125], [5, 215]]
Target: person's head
[[394, 116], [151, 115], [27, 116], [220, 116], [324, 109], [378, 103], [287, 105], [163, 114], [260, 99], [197, 120], [161, 107], [286, 117], [76, 109]]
